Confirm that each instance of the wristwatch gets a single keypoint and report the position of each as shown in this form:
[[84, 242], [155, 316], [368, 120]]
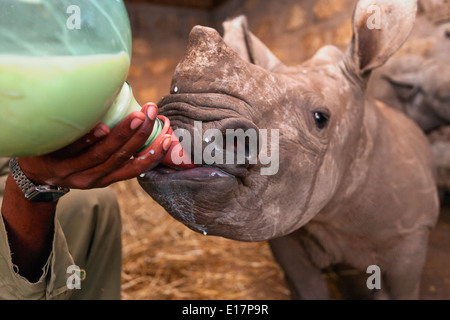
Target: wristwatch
[[33, 192]]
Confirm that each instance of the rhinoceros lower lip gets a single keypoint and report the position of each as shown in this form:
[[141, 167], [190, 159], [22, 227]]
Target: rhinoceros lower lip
[[202, 174]]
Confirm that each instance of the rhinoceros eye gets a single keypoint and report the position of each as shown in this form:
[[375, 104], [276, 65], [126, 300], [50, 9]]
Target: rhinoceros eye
[[321, 118]]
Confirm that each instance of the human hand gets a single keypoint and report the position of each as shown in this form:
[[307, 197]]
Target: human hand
[[102, 157]]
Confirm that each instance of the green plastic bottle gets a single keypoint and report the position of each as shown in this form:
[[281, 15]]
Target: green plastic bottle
[[63, 66]]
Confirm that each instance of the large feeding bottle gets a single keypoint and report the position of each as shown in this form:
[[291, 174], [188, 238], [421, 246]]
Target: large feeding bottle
[[63, 66]]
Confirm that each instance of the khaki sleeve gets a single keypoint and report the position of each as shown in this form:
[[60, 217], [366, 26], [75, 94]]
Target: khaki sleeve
[[52, 283]]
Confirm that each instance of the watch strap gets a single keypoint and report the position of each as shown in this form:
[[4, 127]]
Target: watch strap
[[29, 188]]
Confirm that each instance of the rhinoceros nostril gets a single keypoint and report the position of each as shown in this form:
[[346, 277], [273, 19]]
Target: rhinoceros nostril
[[240, 142], [239, 150]]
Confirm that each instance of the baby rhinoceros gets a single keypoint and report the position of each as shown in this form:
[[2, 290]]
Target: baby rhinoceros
[[355, 184]]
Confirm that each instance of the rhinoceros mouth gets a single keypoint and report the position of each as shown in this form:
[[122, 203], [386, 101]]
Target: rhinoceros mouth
[[204, 182]]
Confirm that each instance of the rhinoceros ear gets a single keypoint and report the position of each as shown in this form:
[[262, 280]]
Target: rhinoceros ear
[[380, 27], [239, 38]]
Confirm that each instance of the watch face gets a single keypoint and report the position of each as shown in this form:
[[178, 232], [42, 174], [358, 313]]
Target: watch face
[[46, 194]]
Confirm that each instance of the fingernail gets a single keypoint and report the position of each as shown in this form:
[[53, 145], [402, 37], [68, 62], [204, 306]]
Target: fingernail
[[136, 123], [152, 112], [100, 133], [167, 142]]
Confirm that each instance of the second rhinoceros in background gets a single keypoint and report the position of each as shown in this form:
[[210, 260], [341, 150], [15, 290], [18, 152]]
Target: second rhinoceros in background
[[416, 81], [355, 184]]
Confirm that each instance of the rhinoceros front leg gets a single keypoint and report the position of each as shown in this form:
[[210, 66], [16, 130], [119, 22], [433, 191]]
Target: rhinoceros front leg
[[305, 280], [403, 271]]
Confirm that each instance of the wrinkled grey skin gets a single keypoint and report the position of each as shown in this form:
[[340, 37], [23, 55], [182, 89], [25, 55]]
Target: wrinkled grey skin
[[357, 191], [418, 83]]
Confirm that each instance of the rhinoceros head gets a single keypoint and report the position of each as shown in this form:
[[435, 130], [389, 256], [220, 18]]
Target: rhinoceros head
[[421, 90], [307, 119], [418, 83]]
